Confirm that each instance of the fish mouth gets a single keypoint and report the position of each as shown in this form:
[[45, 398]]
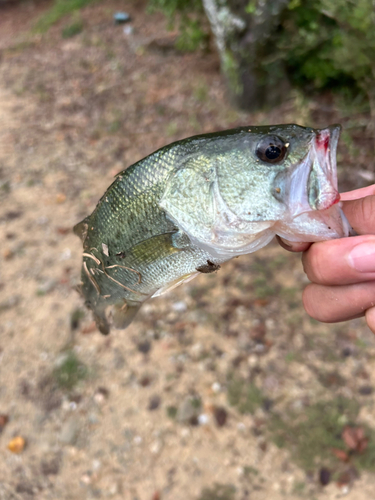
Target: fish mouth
[[313, 181], [322, 183]]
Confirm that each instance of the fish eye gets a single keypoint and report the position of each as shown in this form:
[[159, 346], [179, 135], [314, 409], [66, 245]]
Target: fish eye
[[271, 149]]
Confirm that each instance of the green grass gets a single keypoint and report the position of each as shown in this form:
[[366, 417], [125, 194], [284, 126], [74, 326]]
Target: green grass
[[171, 412], [171, 129], [201, 92], [245, 396], [311, 435], [218, 492], [59, 9], [70, 371], [72, 29]]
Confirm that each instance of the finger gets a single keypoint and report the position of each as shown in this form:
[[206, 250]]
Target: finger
[[292, 246], [370, 318], [358, 193], [331, 304], [341, 262], [361, 214]]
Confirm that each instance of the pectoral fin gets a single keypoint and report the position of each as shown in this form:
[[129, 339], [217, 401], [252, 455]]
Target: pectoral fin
[[123, 314], [174, 284]]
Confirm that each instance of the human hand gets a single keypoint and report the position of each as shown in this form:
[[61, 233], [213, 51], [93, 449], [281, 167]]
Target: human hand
[[342, 271]]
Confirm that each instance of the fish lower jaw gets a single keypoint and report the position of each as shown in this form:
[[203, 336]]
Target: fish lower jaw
[[328, 201]]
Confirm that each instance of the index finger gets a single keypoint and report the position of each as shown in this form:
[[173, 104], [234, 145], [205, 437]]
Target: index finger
[[361, 214], [358, 193]]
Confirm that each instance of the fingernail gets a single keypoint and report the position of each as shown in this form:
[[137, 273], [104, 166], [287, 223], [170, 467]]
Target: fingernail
[[362, 258]]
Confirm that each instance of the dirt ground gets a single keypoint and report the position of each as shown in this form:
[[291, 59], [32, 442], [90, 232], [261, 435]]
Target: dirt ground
[[182, 404]]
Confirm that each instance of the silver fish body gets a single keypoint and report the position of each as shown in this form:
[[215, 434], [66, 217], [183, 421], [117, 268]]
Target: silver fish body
[[199, 202]]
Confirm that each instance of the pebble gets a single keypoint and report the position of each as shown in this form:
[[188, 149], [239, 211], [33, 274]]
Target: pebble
[[154, 402], [203, 419], [96, 464], [144, 346], [121, 17], [155, 447], [179, 306], [366, 390], [137, 440], [128, 30], [101, 394], [221, 416], [216, 387], [86, 479], [324, 476], [17, 444]]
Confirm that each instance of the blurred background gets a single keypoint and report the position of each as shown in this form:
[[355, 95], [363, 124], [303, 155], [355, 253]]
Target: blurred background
[[224, 389]]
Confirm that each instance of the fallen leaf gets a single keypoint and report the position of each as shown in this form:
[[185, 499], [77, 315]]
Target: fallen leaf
[[261, 302], [3, 421], [340, 454], [349, 436], [354, 438]]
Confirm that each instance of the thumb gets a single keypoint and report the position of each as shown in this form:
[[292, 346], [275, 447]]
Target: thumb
[[361, 214]]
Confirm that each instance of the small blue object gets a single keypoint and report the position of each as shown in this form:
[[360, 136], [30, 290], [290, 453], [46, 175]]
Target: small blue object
[[121, 17]]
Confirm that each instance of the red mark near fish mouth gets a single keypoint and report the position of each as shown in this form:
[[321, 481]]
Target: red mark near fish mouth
[[322, 140], [329, 201]]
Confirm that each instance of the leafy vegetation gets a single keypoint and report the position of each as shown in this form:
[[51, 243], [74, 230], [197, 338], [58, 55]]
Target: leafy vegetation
[[324, 44], [189, 17], [316, 437], [59, 9], [330, 43]]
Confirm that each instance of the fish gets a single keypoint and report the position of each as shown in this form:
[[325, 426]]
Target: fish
[[194, 204]]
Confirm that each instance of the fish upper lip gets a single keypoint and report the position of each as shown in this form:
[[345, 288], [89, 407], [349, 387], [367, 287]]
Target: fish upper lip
[[324, 165]]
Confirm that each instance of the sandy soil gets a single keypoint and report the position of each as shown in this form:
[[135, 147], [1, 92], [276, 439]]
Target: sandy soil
[[145, 414]]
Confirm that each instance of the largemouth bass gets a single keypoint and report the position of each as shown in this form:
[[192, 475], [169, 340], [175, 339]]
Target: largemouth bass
[[201, 201]]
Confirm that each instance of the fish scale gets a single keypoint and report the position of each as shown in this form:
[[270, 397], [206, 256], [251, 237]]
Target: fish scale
[[199, 202]]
